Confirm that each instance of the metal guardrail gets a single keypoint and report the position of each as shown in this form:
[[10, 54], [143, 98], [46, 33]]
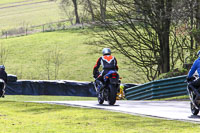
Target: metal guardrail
[[158, 89]]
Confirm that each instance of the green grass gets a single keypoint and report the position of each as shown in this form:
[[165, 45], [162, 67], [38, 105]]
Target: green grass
[[177, 98], [26, 56], [21, 98], [28, 14], [20, 117], [10, 1]]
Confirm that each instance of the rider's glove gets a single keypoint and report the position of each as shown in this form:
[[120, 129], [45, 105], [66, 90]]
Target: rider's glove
[[95, 76], [188, 79]]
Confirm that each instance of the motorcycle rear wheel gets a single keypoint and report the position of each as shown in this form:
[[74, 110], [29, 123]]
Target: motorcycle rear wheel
[[112, 94], [193, 109]]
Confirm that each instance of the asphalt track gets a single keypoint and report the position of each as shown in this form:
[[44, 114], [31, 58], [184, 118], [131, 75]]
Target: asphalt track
[[172, 110]]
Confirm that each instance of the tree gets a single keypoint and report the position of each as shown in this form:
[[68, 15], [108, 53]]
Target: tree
[[197, 16], [65, 3], [103, 4], [57, 60], [53, 60], [76, 11], [140, 30], [91, 9], [47, 63], [187, 20]]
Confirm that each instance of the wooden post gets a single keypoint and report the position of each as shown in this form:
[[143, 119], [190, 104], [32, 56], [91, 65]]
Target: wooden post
[[26, 31], [43, 28]]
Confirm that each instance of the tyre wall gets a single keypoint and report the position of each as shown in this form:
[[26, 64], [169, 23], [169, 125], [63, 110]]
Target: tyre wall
[[65, 88], [51, 87]]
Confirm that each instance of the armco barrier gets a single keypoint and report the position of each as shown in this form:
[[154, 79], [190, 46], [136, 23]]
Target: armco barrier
[[158, 89]]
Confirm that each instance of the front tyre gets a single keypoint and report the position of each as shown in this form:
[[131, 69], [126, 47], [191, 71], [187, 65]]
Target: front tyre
[[193, 109], [112, 94], [100, 99], [2, 91]]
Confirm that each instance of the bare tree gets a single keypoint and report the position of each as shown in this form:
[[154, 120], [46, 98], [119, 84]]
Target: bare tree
[[103, 4], [91, 9], [65, 9], [47, 61], [3, 54], [66, 3], [76, 11], [52, 61], [186, 20], [57, 61], [197, 16], [140, 30]]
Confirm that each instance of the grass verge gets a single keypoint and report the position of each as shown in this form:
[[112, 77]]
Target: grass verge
[[17, 116], [21, 98], [177, 98]]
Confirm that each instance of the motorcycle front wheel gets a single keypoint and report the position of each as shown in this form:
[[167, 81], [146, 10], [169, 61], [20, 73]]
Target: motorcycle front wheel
[[193, 109], [112, 94], [100, 99]]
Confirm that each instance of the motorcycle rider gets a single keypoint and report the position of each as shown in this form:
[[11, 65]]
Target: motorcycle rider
[[3, 76], [195, 67], [108, 62]]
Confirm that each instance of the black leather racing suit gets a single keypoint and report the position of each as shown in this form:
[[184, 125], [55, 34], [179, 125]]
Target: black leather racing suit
[[108, 62]]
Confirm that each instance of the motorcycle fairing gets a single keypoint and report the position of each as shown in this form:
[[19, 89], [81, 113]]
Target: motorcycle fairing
[[112, 76]]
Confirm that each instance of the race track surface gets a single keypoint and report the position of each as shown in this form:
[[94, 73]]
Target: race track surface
[[173, 110]]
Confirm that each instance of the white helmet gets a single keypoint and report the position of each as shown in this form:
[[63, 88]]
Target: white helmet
[[106, 51]]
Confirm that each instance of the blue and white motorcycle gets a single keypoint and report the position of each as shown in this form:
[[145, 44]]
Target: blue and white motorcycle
[[109, 88]]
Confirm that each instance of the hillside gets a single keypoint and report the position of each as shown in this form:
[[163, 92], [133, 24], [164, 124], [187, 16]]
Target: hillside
[[26, 56]]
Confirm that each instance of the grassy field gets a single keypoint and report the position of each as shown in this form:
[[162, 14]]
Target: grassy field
[[26, 56], [24, 13], [17, 116], [3, 2]]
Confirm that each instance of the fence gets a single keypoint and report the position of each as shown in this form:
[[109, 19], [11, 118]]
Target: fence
[[158, 89], [26, 30]]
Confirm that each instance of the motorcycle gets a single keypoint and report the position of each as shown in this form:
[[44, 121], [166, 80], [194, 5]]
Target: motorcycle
[[194, 95], [109, 87], [2, 88]]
